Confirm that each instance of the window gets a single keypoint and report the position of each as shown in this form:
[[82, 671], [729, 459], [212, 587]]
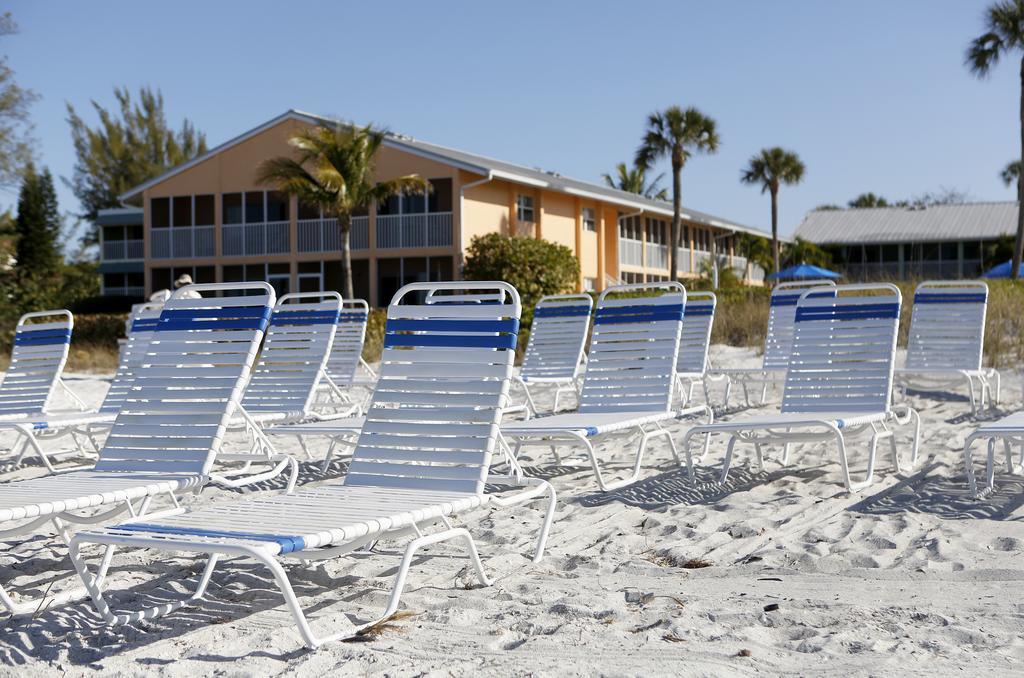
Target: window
[[231, 208], [414, 203], [589, 220], [277, 206], [950, 251], [307, 211], [311, 276], [182, 211], [254, 207], [204, 210], [160, 213], [392, 273], [440, 198], [524, 208]]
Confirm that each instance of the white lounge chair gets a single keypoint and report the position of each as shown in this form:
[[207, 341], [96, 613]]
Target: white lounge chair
[[81, 427], [838, 382], [423, 456], [346, 367], [283, 387], [168, 431], [1010, 430], [554, 352], [692, 363], [946, 343], [37, 360], [629, 382], [777, 343], [344, 431]]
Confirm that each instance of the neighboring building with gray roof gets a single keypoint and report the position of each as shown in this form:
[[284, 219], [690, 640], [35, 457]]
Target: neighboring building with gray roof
[[937, 241]]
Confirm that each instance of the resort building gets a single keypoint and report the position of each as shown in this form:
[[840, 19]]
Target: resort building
[[934, 242], [211, 219]]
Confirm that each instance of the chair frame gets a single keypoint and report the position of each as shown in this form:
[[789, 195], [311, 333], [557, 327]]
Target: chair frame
[[544, 332], [648, 424], [956, 358], [136, 500], [805, 383], [270, 554], [777, 343]]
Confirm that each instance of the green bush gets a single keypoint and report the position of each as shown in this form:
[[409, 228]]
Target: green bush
[[534, 267]]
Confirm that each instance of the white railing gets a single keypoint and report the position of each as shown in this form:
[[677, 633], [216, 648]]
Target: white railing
[[181, 242], [631, 252], [657, 255], [268, 237], [414, 230], [125, 291], [122, 249], [321, 235]]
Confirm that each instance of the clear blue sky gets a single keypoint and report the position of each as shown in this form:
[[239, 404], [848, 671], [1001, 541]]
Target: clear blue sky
[[872, 94]]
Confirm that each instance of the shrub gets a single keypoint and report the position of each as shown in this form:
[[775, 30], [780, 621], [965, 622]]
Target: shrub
[[534, 267]]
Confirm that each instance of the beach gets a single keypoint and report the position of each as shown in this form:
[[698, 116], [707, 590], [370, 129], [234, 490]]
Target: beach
[[779, 571]]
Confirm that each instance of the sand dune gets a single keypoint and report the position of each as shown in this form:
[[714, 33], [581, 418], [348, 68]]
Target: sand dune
[[778, 571]]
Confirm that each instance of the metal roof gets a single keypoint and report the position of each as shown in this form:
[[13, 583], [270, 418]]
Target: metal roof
[[480, 165], [968, 221], [119, 216]]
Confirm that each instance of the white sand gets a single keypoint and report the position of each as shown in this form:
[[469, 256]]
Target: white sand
[[911, 576]]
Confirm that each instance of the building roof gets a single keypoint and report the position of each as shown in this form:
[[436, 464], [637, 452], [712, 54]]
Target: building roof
[[968, 221], [119, 216], [478, 164]]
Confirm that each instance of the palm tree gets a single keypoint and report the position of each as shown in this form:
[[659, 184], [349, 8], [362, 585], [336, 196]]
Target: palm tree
[[634, 180], [676, 133], [1011, 173], [771, 168], [334, 171], [802, 251], [1004, 34]]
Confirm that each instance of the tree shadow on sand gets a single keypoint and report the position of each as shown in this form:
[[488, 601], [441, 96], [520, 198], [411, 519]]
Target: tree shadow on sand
[[946, 497]]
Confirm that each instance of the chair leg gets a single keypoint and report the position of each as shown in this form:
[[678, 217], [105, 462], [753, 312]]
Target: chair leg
[[727, 462]]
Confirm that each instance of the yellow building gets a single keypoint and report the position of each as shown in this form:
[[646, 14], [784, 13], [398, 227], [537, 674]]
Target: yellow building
[[210, 218]]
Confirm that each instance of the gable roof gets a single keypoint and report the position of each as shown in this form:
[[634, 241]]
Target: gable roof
[[477, 164], [980, 221]]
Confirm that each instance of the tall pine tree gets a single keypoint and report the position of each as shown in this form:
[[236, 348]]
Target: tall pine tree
[[38, 229], [131, 144]]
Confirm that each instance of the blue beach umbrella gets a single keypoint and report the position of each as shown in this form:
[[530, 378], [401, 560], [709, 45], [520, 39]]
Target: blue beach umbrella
[[1000, 271], [804, 272]]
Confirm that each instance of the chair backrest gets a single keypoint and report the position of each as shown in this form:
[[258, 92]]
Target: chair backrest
[[40, 352], [438, 296], [843, 350], [947, 325], [190, 381], [633, 348], [349, 337], [696, 335], [444, 379], [294, 356], [141, 326], [781, 311], [557, 337]]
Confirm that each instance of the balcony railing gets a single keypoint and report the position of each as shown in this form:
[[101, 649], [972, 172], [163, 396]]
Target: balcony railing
[[114, 250], [414, 230], [269, 237], [126, 291], [321, 235], [181, 242], [657, 255], [631, 252]]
